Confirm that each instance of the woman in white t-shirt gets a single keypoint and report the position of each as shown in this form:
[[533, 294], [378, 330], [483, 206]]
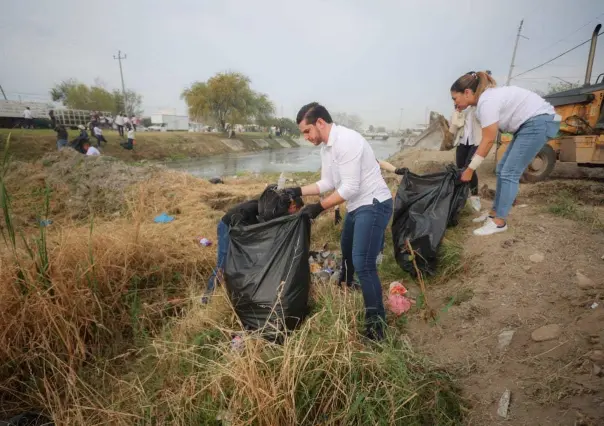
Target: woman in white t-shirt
[[509, 109]]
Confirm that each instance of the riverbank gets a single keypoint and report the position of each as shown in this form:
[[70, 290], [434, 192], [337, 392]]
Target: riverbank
[[102, 321], [31, 145]]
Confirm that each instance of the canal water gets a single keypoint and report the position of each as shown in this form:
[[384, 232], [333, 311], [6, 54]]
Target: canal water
[[306, 158]]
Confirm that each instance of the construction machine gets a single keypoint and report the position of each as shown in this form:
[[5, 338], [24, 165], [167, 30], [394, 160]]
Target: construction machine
[[581, 136]]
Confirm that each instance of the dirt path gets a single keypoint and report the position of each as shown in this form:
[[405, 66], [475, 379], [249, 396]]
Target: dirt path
[[554, 382]]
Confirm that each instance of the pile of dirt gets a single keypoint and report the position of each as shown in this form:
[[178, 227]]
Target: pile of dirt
[[422, 161]]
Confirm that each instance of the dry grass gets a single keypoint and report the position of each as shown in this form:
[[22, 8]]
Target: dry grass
[[101, 322]]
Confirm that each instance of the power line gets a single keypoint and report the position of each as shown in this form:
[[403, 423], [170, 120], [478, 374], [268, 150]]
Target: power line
[[553, 59], [574, 32]]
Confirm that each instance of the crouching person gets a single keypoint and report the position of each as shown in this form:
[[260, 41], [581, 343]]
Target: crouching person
[[270, 205]]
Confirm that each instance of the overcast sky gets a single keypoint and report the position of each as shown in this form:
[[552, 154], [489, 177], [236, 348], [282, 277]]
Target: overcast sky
[[371, 58]]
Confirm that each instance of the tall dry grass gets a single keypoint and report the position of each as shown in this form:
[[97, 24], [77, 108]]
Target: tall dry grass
[[100, 323]]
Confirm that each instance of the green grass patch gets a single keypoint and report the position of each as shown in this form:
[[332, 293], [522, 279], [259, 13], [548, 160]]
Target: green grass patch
[[565, 204]]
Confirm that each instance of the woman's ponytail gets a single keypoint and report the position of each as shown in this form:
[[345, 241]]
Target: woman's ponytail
[[485, 81], [477, 82]]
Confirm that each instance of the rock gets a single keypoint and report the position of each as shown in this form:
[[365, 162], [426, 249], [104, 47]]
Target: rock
[[537, 258], [584, 282], [504, 404], [597, 357], [602, 257], [547, 332], [505, 338], [596, 370], [541, 228], [527, 268]]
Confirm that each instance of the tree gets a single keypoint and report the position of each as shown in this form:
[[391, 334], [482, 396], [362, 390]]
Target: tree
[[227, 98], [561, 87], [352, 121], [288, 124], [76, 95], [371, 128]]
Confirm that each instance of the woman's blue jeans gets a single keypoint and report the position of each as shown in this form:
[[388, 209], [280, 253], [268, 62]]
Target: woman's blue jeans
[[528, 141], [362, 240]]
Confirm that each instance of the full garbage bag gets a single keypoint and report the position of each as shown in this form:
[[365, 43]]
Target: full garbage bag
[[423, 209], [267, 273]]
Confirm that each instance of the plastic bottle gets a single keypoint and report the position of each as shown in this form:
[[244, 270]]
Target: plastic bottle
[[281, 181]]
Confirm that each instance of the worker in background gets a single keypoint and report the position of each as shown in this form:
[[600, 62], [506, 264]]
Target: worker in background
[[129, 144], [53, 120], [119, 122], [467, 133], [350, 170], [89, 149], [133, 122], [512, 109], [78, 142], [270, 205], [98, 134], [62, 136], [28, 119]]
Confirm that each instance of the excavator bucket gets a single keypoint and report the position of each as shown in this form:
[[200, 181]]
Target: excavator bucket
[[435, 137]]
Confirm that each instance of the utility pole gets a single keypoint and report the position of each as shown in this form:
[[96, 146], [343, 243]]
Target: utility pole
[[3, 94], [400, 120], [119, 58], [507, 83]]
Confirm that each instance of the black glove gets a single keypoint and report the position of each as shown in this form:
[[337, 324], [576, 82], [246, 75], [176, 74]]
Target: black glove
[[293, 192], [401, 170], [312, 210]]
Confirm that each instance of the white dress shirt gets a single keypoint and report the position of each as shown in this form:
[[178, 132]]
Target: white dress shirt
[[348, 165]]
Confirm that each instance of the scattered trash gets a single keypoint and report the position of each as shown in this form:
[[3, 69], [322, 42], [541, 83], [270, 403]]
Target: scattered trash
[[216, 181], [521, 206], [379, 259], [237, 344], [505, 338], [203, 241], [547, 332], [475, 202], [163, 218], [281, 181], [594, 305], [397, 302], [537, 258], [45, 222], [315, 268], [504, 404], [584, 282]]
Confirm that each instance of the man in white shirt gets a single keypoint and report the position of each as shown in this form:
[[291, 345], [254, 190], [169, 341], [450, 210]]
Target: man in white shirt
[[28, 119], [90, 150], [119, 122], [98, 134], [350, 170]]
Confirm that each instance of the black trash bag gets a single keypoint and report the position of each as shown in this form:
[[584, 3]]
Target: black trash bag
[[267, 274], [423, 209]]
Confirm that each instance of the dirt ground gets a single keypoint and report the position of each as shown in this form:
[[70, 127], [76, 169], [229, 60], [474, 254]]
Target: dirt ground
[[553, 382]]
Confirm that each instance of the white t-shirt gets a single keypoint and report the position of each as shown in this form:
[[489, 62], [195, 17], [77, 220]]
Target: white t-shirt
[[93, 151], [97, 131], [348, 165], [27, 113], [131, 134], [119, 120], [511, 106]]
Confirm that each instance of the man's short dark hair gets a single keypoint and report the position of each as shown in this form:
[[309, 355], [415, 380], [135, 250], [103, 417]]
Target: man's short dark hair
[[312, 112]]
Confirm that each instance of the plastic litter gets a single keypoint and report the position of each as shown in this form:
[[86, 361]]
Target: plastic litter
[[45, 222], [281, 181], [594, 305], [163, 218], [423, 209], [237, 344], [397, 302], [204, 241]]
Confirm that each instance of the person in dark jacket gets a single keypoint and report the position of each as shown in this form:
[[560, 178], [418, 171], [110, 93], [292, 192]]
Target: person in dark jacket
[[53, 120], [270, 205], [78, 142], [62, 136]]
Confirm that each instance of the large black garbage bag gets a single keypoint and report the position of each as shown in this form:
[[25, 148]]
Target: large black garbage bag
[[267, 273], [423, 208]]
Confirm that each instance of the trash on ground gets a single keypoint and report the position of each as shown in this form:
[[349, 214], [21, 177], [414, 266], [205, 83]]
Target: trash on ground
[[203, 241], [504, 404], [237, 344], [504, 339], [594, 305], [423, 209], [163, 218], [45, 222], [537, 258], [216, 180], [397, 302], [521, 206]]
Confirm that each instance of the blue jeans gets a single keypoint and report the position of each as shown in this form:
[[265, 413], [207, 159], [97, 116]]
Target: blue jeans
[[61, 143], [362, 240], [222, 233], [528, 141]]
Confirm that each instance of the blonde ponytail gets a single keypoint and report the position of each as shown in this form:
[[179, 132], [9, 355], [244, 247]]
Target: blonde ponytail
[[477, 82]]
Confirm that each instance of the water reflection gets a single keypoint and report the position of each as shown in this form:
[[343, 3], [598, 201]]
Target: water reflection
[[304, 159]]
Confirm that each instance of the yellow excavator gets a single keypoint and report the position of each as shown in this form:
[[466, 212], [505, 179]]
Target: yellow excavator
[[581, 136]]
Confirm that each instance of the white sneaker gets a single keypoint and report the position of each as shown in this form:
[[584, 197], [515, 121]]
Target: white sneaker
[[489, 228], [484, 216], [475, 203]]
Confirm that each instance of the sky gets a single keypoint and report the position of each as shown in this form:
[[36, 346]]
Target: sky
[[370, 58]]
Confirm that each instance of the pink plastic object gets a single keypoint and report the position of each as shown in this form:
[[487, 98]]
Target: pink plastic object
[[397, 302]]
